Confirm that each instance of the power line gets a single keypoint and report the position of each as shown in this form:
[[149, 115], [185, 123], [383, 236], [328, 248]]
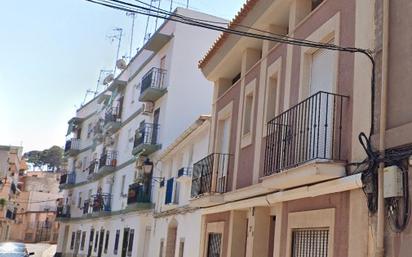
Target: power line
[[159, 13]]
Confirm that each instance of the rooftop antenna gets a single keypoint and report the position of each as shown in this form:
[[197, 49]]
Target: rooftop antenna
[[88, 92], [171, 5], [117, 36], [133, 15], [103, 73], [187, 4], [157, 18], [146, 35]]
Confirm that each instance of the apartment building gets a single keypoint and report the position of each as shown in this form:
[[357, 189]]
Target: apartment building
[[115, 142], [285, 124], [11, 167], [392, 135], [36, 214], [176, 225]]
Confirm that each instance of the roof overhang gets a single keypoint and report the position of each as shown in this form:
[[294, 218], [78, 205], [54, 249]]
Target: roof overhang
[[157, 42]]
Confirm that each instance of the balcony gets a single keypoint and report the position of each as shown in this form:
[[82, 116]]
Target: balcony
[[139, 197], [108, 162], [112, 119], [153, 85], [72, 147], [304, 144], [63, 211], [67, 179], [93, 166], [97, 203], [210, 178], [184, 174], [146, 139]]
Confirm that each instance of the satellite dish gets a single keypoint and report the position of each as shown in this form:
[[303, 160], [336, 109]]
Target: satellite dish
[[121, 64], [108, 79]]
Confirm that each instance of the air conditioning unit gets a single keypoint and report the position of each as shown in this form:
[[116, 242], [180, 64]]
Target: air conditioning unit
[[147, 108]]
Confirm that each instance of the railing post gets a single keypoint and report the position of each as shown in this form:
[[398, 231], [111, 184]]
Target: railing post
[[214, 177]]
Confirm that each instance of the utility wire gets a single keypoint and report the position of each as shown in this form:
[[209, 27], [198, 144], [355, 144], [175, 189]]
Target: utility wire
[[159, 13]]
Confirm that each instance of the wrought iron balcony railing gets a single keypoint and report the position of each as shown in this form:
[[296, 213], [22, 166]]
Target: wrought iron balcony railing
[[147, 134], [113, 114], [155, 78], [308, 131], [109, 159], [210, 174], [97, 203], [92, 167], [72, 144], [138, 194], [63, 211], [71, 178]]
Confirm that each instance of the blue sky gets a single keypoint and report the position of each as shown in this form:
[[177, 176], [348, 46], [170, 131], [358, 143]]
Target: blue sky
[[51, 52]]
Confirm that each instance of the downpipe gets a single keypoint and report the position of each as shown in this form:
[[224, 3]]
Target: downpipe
[[380, 230]]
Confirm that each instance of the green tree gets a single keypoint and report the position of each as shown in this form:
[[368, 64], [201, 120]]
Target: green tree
[[34, 158], [51, 158]]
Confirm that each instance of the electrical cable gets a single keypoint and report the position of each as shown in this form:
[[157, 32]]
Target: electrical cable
[[125, 6]]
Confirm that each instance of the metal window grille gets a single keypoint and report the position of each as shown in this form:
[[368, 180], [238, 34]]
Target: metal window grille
[[214, 243], [310, 242]]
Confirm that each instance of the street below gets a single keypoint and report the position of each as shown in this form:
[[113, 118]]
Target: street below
[[42, 249]]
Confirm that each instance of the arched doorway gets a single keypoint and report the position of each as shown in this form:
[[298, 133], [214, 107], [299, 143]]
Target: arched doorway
[[171, 238]]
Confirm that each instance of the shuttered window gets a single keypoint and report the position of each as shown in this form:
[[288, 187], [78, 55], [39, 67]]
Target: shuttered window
[[169, 191], [310, 242]]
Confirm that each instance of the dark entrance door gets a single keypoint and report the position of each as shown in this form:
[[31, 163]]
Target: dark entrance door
[[89, 250], [125, 241], [214, 245], [101, 240]]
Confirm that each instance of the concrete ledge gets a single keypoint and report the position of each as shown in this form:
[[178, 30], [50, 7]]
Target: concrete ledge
[[309, 173]]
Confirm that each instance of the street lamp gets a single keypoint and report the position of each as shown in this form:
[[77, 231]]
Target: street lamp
[[147, 166]]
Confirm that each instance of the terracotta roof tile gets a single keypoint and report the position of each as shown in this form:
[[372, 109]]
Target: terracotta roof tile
[[247, 6]]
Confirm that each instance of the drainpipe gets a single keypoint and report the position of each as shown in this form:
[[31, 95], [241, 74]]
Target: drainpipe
[[380, 249]]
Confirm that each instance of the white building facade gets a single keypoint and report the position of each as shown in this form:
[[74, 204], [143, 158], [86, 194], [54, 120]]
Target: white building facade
[[176, 225], [110, 196]]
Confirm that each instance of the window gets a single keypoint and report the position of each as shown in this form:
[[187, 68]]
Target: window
[[214, 244], [106, 243], [91, 236], [181, 247], [310, 242], [130, 246], [79, 200], [83, 240], [162, 245], [122, 193], [96, 241], [72, 240], [271, 95], [247, 122], [316, 3], [116, 241]]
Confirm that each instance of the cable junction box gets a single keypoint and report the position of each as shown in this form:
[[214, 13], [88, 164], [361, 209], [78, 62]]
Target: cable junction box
[[393, 182]]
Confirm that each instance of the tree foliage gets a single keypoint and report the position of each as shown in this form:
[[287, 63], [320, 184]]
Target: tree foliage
[[50, 158]]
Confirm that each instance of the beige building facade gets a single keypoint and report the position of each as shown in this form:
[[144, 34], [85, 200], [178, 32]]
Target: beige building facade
[[285, 125]]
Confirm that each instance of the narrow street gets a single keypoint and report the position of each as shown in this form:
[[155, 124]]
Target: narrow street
[[42, 250]]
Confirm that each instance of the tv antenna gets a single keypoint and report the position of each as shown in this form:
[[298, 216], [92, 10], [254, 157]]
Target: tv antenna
[[117, 36], [133, 15], [88, 92], [103, 73]]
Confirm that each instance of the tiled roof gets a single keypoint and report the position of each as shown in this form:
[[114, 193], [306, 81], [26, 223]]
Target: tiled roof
[[223, 36]]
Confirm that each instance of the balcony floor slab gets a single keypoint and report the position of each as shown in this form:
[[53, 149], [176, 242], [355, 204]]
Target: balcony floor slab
[[309, 173]]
